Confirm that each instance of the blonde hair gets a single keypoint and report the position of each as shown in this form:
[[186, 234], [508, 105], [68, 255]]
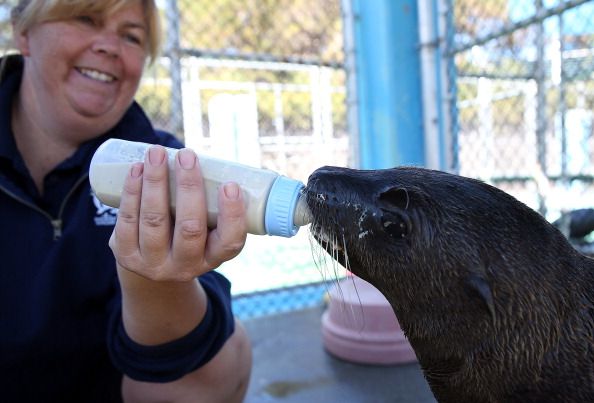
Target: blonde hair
[[30, 12]]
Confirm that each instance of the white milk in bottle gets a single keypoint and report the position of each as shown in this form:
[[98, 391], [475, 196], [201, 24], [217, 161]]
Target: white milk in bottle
[[274, 203]]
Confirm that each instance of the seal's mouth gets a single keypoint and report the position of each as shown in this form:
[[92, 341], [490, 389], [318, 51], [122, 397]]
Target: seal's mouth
[[326, 231], [329, 252], [327, 240]]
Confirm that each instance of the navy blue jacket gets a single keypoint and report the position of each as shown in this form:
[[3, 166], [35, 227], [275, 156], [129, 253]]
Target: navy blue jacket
[[61, 337]]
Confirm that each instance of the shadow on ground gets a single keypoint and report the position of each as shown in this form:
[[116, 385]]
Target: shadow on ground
[[291, 366]]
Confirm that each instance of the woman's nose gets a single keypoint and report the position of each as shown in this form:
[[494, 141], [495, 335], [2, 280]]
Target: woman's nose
[[107, 43]]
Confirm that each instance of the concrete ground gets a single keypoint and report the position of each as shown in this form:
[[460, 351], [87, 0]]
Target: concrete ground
[[291, 366]]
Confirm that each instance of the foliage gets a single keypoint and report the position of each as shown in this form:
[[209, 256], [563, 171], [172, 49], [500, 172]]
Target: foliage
[[284, 28]]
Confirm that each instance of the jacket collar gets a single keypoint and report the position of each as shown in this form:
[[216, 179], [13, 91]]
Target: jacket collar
[[9, 85]]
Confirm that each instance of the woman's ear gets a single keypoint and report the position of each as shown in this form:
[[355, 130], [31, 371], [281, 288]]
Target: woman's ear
[[21, 41]]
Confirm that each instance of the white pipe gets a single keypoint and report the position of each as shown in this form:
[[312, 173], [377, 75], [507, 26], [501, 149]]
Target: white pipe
[[430, 92], [352, 100], [176, 124], [447, 92]]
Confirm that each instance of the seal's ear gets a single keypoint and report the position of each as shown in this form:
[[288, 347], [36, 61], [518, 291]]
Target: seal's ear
[[478, 286]]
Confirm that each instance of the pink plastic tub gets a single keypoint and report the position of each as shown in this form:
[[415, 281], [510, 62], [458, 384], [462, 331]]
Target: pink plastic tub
[[360, 326]]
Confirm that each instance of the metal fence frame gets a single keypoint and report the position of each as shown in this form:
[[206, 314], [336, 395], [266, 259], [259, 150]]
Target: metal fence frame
[[438, 36], [546, 180]]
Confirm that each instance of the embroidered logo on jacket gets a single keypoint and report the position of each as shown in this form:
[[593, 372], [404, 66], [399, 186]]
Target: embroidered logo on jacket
[[105, 215]]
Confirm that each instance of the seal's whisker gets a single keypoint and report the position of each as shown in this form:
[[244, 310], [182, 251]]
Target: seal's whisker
[[320, 258], [336, 266], [336, 256], [352, 278], [318, 255], [332, 272]]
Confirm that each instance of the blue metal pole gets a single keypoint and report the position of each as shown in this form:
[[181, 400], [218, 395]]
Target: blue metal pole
[[388, 83]]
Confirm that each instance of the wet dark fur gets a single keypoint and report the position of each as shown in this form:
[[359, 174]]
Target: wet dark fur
[[495, 302]]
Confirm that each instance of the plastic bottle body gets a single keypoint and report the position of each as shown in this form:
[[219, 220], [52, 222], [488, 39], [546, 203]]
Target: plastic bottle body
[[266, 193]]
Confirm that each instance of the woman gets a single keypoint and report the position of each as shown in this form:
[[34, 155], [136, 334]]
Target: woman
[[80, 322]]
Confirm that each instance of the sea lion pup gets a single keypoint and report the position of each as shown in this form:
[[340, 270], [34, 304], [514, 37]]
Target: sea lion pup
[[494, 300]]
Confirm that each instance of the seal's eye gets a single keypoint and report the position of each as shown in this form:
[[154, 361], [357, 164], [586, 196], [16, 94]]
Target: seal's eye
[[395, 225]]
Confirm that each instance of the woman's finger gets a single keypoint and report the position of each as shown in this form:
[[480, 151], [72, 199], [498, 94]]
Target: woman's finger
[[124, 239], [228, 239], [155, 216], [190, 231]]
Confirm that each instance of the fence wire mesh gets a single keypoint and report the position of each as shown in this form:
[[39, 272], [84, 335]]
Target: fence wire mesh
[[525, 97], [263, 82], [275, 67]]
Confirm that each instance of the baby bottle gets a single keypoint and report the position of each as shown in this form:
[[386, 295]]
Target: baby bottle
[[274, 203]]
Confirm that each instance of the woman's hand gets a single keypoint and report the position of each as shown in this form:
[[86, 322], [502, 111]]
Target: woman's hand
[[158, 259], [149, 242]]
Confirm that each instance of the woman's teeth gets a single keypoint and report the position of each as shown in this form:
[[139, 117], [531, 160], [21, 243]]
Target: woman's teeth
[[97, 75]]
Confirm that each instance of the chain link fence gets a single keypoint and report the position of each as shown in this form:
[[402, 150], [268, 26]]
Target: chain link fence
[[263, 82], [260, 82], [525, 98]]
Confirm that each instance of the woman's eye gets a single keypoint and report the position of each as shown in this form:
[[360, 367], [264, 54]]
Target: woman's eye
[[86, 19], [134, 39]]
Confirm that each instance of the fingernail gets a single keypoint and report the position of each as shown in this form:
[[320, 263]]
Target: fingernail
[[231, 190], [187, 158], [136, 170], [156, 155]]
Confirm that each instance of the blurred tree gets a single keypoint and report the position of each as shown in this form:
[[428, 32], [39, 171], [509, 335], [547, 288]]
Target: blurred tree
[[283, 28], [5, 28], [475, 18]]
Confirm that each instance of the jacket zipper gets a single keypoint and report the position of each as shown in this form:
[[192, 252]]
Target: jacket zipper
[[56, 222]]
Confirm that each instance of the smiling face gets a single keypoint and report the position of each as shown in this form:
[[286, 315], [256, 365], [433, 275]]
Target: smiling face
[[81, 73]]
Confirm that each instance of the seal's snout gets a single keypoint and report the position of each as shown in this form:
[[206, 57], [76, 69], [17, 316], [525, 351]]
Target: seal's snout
[[323, 186], [334, 199]]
